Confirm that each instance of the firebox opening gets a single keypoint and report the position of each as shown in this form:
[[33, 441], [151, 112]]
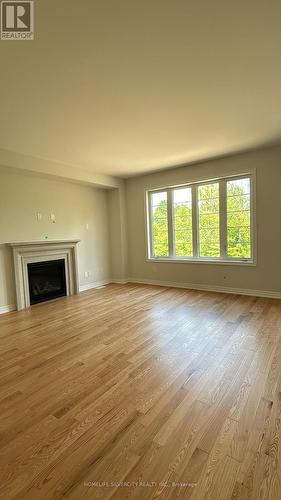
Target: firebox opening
[[46, 280]]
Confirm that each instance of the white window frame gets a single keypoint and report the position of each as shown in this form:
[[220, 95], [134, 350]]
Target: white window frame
[[224, 258]]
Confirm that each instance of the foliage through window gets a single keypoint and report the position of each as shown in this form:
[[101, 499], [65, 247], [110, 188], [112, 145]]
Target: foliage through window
[[239, 218], [182, 218], [160, 224], [208, 221]]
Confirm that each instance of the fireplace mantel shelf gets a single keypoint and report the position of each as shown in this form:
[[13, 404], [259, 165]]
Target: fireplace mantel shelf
[[40, 242]]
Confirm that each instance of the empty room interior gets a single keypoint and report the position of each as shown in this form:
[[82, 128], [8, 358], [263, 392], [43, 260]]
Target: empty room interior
[[140, 250]]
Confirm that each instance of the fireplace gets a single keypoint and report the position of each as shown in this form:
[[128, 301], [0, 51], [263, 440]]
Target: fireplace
[[48, 253], [46, 280]]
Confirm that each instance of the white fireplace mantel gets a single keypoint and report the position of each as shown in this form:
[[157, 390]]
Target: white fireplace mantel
[[27, 252]]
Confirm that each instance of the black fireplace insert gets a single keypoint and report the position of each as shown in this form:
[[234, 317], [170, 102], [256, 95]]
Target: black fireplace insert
[[46, 280]]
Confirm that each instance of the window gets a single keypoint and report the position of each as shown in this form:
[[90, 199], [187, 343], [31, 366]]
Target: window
[[208, 221], [239, 218], [182, 222], [159, 209]]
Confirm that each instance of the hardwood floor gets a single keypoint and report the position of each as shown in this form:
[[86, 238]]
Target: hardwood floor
[[158, 393]]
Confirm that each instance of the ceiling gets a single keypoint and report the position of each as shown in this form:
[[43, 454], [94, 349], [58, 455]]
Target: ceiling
[[124, 87]]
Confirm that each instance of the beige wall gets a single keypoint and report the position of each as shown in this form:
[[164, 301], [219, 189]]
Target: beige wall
[[22, 195], [265, 276], [113, 224], [118, 233]]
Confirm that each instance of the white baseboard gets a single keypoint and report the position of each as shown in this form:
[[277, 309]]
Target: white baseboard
[[7, 309], [119, 282], [210, 288], [95, 284], [189, 286]]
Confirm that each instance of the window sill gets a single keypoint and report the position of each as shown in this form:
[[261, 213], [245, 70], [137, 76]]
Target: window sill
[[224, 262]]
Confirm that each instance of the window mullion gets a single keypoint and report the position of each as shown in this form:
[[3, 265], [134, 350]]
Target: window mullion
[[195, 230], [170, 222], [223, 219]]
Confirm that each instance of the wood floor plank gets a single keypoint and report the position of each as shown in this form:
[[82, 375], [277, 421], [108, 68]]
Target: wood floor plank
[[160, 393]]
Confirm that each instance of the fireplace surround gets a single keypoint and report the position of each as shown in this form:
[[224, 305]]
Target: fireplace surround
[[27, 253]]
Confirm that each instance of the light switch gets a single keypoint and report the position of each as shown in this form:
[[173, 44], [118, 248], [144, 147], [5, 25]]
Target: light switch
[[53, 218], [39, 216]]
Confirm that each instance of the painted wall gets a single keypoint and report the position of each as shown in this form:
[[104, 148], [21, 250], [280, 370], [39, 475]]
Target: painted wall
[[23, 194], [114, 246], [265, 276], [118, 233]]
